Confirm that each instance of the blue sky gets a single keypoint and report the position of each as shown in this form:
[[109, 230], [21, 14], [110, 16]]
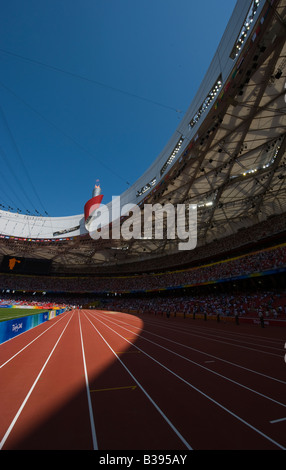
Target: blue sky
[[94, 89]]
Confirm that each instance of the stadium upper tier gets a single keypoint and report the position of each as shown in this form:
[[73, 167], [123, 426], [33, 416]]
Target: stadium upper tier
[[227, 155], [253, 265]]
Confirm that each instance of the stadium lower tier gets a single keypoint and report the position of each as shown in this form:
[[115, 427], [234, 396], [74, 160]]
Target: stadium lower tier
[[249, 286], [232, 303]]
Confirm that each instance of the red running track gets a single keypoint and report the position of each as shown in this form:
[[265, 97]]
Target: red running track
[[112, 381]]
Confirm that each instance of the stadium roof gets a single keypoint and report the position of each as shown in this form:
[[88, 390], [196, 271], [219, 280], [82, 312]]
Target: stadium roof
[[227, 157]]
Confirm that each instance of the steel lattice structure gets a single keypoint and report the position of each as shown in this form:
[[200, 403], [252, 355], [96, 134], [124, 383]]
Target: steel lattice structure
[[227, 156]]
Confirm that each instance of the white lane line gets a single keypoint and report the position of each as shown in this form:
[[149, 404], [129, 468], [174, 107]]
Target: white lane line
[[93, 433], [200, 392], [202, 352], [188, 329], [6, 435], [16, 354], [143, 390], [226, 340], [198, 364], [277, 420]]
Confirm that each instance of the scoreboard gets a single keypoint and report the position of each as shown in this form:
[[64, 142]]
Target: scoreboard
[[19, 265]]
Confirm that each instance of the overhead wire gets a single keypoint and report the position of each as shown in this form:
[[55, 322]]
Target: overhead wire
[[52, 124], [18, 153], [91, 80], [17, 180], [5, 195], [74, 75]]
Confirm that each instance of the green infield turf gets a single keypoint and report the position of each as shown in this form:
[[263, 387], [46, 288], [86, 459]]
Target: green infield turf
[[10, 313]]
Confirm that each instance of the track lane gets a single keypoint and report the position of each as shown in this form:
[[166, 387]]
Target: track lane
[[126, 416], [143, 389], [12, 348], [228, 356], [226, 372], [51, 369], [181, 340], [241, 404], [18, 375], [219, 336]]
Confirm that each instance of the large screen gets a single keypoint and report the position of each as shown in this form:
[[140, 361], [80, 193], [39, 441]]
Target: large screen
[[17, 264]]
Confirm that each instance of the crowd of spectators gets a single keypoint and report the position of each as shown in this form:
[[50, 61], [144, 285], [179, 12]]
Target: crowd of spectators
[[28, 301], [43, 301], [258, 262], [243, 239], [270, 304]]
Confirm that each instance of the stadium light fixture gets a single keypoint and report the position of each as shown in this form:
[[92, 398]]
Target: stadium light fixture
[[245, 28], [172, 156], [207, 102]]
